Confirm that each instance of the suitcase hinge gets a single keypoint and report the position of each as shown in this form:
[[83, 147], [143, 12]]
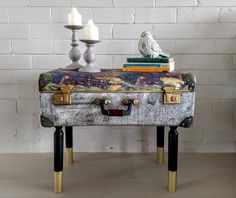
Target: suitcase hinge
[[170, 96], [64, 96]]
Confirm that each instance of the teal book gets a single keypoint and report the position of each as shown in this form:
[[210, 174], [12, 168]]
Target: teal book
[[150, 60], [142, 64]]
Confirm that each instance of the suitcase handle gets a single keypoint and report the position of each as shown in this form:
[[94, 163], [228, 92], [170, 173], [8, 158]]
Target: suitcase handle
[[116, 112]]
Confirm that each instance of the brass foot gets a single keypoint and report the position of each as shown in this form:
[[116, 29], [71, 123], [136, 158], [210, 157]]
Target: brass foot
[[160, 155], [69, 155], [57, 181], [172, 181]]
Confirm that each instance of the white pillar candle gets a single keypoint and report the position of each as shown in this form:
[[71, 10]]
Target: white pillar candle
[[74, 17], [90, 31], [69, 19]]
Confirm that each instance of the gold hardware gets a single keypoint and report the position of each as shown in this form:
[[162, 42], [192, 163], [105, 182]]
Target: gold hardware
[[170, 96], [134, 101], [172, 181], [107, 102], [69, 155], [100, 101], [64, 97], [57, 181], [160, 155]]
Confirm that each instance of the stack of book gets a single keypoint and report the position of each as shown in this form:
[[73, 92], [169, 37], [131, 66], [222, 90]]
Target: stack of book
[[149, 65]]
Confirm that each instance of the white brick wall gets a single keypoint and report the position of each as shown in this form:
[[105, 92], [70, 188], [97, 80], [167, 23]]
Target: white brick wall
[[200, 35]]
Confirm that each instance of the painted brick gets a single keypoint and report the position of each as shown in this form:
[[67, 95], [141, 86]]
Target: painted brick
[[173, 3], [4, 15], [27, 121], [194, 46], [228, 15], [9, 136], [216, 3], [49, 62], [198, 15], [105, 31], [226, 77], [234, 62], [166, 46], [15, 62], [215, 91], [118, 61], [130, 31], [206, 147], [5, 77], [134, 3], [28, 106], [45, 134], [115, 47], [13, 3], [203, 62], [217, 30], [155, 15], [5, 46], [220, 135], [84, 134], [213, 121], [49, 31], [16, 91], [194, 134], [50, 3], [8, 31], [63, 46], [92, 3], [115, 15], [59, 15], [7, 106], [225, 46], [170, 31], [104, 61], [30, 15], [26, 77], [204, 106], [8, 121], [34, 46], [28, 135], [224, 106]]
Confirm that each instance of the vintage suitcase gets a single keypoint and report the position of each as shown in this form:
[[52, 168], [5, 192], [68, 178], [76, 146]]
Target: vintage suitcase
[[111, 97]]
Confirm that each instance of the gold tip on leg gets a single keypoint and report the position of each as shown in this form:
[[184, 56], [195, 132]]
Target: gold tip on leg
[[69, 155], [160, 155], [172, 181], [58, 182]]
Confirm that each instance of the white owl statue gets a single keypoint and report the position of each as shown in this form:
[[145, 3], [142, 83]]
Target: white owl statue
[[148, 47]]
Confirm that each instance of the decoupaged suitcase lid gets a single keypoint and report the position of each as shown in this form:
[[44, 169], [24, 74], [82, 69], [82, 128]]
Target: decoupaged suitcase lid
[[115, 81]]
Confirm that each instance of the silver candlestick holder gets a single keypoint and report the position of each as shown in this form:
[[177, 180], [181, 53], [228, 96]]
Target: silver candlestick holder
[[74, 53], [90, 57]]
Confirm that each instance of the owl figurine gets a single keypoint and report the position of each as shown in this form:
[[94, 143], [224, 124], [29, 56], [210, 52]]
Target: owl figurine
[[148, 47]]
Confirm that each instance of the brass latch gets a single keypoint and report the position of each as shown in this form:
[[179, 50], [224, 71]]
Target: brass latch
[[64, 97], [170, 96]]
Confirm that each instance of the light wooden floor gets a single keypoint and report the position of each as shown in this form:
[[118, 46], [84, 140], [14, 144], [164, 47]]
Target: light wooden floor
[[110, 175]]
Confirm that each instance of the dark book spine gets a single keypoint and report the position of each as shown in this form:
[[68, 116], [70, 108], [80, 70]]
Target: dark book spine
[[150, 60]]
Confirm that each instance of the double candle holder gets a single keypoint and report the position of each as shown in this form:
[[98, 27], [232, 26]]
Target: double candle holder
[[75, 54]]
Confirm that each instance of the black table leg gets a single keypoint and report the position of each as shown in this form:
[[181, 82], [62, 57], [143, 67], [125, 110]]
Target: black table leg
[[160, 144], [69, 144], [172, 159], [58, 159]]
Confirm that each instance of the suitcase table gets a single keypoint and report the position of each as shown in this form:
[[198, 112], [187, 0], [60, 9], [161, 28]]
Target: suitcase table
[[112, 97]]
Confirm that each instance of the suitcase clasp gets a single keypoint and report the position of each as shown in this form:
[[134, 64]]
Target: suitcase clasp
[[170, 96], [63, 97]]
